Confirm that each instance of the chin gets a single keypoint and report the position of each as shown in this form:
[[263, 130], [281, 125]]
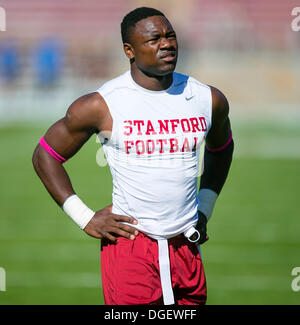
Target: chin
[[159, 71], [170, 68]]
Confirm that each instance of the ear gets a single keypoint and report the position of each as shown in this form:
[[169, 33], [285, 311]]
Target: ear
[[128, 50]]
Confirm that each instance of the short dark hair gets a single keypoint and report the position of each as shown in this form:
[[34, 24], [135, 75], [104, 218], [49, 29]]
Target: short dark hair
[[135, 16]]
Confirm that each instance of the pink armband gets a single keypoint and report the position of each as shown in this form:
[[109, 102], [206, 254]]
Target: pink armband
[[51, 152], [222, 147]]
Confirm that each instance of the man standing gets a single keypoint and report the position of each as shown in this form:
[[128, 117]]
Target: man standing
[[152, 122]]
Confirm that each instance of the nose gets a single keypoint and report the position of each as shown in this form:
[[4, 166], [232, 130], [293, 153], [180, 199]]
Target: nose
[[166, 43]]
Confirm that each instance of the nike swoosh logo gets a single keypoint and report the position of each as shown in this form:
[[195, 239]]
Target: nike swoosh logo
[[189, 98]]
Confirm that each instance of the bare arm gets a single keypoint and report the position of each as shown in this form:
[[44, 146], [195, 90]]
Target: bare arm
[[218, 159], [86, 116], [217, 164], [66, 137]]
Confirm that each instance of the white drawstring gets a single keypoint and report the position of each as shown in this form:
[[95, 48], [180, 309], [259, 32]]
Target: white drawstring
[[165, 271], [164, 265]]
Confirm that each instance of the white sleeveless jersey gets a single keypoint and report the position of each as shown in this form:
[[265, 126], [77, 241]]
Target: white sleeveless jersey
[[153, 151]]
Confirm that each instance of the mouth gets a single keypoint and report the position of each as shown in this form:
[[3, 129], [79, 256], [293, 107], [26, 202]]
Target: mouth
[[169, 57]]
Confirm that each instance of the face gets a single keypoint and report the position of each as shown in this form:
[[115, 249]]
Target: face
[[153, 46]]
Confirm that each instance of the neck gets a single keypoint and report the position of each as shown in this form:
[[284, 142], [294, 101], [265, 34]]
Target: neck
[[151, 82]]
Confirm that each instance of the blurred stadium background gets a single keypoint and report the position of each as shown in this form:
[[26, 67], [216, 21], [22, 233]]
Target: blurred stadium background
[[55, 51]]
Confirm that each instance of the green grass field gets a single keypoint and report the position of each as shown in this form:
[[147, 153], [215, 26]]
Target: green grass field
[[254, 233]]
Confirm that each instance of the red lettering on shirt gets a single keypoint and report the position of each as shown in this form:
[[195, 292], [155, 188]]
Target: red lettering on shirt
[[164, 127], [127, 146], [173, 145], [138, 151], [161, 141], [150, 128], [185, 125], [195, 124], [195, 144], [128, 127], [186, 145], [138, 123], [174, 124], [150, 148], [203, 124]]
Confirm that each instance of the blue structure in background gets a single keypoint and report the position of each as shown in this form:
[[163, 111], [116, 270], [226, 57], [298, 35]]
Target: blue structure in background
[[9, 61], [48, 61]]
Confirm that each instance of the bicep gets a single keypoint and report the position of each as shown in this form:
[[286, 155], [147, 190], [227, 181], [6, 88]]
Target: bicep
[[68, 135], [65, 141]]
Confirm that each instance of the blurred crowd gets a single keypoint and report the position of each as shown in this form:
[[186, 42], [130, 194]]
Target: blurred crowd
[[46, 61], [48, 44], [45, 35]]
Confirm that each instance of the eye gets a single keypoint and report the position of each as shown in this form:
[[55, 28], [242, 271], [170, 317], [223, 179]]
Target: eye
[[154, 38], [171, 36]]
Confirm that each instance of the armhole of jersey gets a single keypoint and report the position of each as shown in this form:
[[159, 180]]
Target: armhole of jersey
[[208, 96], [112, 136]]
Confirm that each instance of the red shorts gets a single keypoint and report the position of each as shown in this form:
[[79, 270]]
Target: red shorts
[[130, 272]]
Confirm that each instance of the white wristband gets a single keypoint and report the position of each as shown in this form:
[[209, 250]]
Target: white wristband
[[78, 211], [206, 201]]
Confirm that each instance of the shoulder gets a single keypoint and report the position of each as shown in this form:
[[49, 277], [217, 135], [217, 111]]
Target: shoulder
[[88, 104], [86, 111], [220, 105]]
